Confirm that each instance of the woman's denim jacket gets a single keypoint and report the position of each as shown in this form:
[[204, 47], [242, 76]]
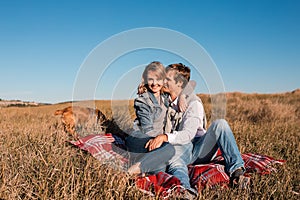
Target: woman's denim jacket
[[150, 115]]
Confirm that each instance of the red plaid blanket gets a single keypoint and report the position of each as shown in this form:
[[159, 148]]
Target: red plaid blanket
[[111, 149], [105, 148]]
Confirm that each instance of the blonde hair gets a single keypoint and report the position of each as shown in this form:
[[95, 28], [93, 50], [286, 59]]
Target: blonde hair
[[153, 66]]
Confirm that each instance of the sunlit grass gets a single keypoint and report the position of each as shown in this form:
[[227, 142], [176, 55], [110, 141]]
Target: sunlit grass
[[37, 162]]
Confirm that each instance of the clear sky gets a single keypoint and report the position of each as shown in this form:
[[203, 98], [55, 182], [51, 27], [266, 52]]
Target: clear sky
[[255, 44]]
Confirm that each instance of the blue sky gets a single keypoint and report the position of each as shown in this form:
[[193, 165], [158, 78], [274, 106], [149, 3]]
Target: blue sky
[[254, 44]]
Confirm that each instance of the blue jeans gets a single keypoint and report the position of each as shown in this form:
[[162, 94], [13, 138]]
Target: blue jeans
[[178, 163], [153, 161], [218, 135]]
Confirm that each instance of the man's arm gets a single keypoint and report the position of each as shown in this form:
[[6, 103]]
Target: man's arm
[[185, 95], [191, 122]]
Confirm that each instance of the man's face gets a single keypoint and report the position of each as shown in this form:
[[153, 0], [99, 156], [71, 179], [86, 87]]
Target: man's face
[[171, 83]]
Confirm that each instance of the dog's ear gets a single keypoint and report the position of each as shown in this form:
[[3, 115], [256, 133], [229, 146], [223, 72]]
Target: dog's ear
[[100, 116], [96, 112], [58, 112]]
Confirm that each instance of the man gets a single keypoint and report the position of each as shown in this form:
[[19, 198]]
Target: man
[[191, 129]]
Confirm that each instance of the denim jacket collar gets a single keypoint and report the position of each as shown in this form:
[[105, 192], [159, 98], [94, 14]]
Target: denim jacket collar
[[152, 98]]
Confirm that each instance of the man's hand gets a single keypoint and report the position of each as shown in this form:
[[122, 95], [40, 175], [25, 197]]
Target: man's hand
[[156, 142], [182, 104]]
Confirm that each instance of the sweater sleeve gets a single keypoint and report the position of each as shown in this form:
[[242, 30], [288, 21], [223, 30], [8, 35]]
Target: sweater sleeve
[[192, 120]]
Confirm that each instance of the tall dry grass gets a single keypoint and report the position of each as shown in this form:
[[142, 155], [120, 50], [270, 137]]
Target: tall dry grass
[[37, 162]]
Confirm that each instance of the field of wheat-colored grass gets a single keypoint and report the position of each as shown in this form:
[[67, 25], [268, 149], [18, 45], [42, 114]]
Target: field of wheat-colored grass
[[37, 162]]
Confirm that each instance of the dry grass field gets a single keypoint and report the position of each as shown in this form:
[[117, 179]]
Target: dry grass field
[[37, 162]]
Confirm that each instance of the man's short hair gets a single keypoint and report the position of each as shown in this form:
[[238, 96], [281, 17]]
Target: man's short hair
[[183, 73]]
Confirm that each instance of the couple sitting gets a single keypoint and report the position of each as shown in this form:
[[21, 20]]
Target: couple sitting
[[169, 135]]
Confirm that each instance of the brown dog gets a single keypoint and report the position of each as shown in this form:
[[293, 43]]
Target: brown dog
[[74, 117]]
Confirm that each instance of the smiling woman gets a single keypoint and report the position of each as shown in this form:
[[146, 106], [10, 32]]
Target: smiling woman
[[150, 108], [153, 77], [154, 82], [151, 105]]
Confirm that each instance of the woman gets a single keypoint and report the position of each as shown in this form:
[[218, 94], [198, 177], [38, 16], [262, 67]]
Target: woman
[[150, 108]]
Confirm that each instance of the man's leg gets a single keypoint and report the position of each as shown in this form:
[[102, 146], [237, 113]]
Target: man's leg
[[178, 163], [219, 135]]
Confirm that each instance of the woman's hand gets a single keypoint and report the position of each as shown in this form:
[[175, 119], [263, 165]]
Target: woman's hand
[[156, 142]]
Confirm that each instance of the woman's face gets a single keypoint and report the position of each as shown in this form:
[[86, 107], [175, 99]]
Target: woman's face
[[155, 83]]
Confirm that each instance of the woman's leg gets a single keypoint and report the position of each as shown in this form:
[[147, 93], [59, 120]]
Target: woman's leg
[[135, 144], [153, 161], [157, 160]]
